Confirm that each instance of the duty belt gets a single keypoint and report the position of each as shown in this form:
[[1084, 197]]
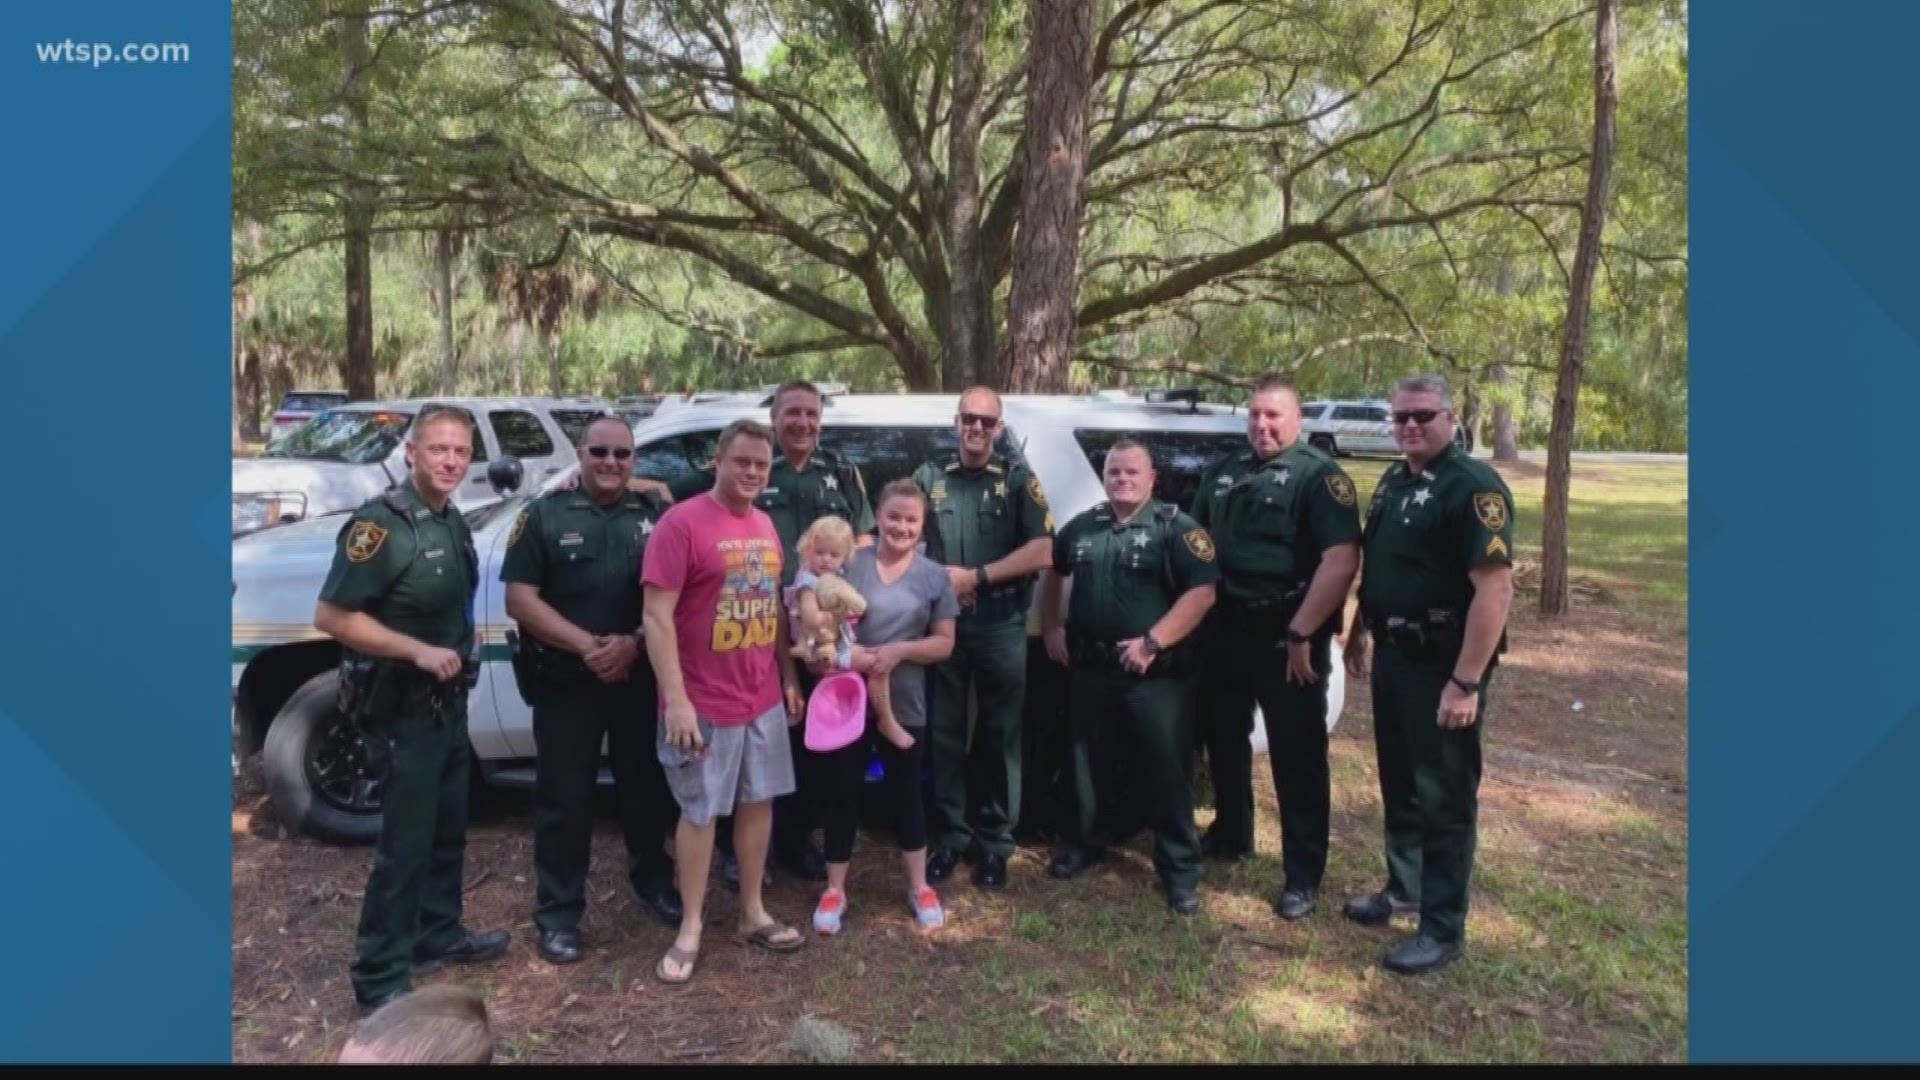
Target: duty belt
[[1266, 613], [1103, 654]]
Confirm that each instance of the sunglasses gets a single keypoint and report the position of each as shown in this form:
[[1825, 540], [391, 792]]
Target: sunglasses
[[968, 419], [1418, 416], [620, 453]]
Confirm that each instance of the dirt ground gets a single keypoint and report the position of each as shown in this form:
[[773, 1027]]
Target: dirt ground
[[1589, 723]]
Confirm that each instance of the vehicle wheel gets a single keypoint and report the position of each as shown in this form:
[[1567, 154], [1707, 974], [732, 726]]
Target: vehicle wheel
[[1324, 443], [317, 769]]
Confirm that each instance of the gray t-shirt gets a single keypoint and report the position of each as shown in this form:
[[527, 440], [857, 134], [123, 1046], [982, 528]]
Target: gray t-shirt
[[902, 611]]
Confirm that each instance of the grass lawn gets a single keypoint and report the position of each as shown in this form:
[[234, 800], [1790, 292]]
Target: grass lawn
[[1577, 938]]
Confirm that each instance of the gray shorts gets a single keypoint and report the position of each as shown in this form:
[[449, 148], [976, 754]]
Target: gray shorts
[[744, 763]]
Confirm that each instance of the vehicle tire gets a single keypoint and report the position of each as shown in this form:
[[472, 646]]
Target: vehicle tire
[[1324, 443], [316, 768]]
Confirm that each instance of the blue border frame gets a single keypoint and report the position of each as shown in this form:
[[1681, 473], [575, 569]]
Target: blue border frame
[[1806, 600], [114, 332]]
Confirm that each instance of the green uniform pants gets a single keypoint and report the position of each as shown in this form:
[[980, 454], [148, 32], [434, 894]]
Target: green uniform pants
[[1429, 787], [1246, 667], [976, 789], [567, 731], [412, 904], [1140, 729]]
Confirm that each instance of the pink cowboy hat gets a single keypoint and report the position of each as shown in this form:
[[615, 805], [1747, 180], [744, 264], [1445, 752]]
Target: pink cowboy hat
[[837, 712]]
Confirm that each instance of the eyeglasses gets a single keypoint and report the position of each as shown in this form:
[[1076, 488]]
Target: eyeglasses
[[968, 419], [1418, 416], [620, 453]]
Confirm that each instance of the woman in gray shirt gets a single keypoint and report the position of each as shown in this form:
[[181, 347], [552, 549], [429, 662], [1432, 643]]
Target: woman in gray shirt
[[908, 625]]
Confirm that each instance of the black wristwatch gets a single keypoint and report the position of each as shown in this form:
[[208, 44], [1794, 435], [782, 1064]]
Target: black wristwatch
[[1295, 637], [1465, 686], [980, 575], [1151, 643]]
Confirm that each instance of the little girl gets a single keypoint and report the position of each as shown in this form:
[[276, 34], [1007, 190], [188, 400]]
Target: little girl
[[824, 549]]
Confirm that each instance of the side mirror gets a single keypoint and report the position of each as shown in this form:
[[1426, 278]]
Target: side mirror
[[505, 473]]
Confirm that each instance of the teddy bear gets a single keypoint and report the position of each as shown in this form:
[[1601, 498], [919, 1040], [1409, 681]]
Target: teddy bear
[[829, 633]]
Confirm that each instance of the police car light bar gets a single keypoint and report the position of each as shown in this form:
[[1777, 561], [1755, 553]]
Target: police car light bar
[[1190, 396]]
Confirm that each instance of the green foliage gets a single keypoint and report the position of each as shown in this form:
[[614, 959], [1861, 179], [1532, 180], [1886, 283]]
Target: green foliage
[[1215, 127]]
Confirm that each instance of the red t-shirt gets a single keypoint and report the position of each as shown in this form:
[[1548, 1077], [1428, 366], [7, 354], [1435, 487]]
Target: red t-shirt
[[726, 567]]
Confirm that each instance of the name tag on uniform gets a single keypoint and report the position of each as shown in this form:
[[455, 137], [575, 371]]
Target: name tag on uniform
[[420, 512], [770, 491], [570, 539], [435, 553]]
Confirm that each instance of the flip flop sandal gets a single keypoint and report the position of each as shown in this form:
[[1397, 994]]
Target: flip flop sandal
[[765, 938], [690, 960]]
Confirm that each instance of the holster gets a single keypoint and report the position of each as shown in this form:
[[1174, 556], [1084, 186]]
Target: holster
[[1438, 636], [539, 669], [372, 688]]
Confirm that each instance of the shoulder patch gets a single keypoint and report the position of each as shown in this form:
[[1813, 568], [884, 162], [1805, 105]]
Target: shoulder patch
[[1497, 546], [1491, 508], [364, 541], [1342, 489], [1033, 489], [1200, 543], [519, 526]]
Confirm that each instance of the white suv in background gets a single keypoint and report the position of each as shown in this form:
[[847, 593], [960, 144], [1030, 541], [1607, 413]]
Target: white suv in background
[[1358, 427], [347, 455]]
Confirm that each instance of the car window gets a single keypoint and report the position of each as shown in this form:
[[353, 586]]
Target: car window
[[1311, 412], [521, 434], [1179, 457], [1351, 412], [676, 456], [573, 422], [1377, 414], [354, 436]]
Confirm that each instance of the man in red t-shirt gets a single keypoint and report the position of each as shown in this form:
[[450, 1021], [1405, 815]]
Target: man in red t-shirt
[[728, 688]]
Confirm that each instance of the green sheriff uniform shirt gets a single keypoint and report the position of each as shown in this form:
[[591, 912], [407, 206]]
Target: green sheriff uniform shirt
[[1426, 530], [584, 558], [795, 499], [981, 516], [410, 568], [1274, 520], [1126, 576]]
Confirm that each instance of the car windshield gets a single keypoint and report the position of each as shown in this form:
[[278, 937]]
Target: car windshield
[[353, 436]]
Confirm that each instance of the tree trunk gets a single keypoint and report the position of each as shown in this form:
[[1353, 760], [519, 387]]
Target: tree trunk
[[1573, 348], [249, 392], [1046, 258], [551, 339], [1505, 446], [443, 298], [356, 369], [516, 339], [969, 346]]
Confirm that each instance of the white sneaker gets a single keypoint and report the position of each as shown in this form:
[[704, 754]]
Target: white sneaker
[[827, 914], [926, 909]]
